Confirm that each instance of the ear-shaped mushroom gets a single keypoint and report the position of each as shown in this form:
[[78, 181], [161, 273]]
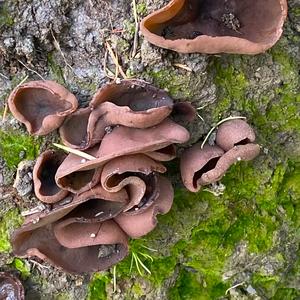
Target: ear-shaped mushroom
[[11, 287], [121, 141], [131, 103], [215, 26], [195, 162], [41, 234], [204, 166], [139, 223], [242, 152], [233, 133], [72, 176], [135, 173], [41, 105], [45, 187]]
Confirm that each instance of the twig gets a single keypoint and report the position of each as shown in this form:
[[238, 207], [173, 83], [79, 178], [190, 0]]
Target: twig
[[105, 67], [114, 279], [5, 77], [136, 30], [57, 46], [115, 59], [34, 210], [181, 66], [74, 151], [31, 70], [233, 287], [218, 124], [4, 112]]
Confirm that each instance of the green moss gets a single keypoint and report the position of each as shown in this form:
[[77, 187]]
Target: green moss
[[5, 17], [55, 69], [141, 8], [11, 220], [97, 287], [269, 284], [286, 294], [12, 144], [176, 83], [22, 266]]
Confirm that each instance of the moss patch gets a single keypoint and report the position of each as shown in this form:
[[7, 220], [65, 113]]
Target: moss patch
[[12, 144], [97, 287], [11, 220]]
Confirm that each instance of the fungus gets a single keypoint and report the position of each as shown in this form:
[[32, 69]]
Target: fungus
[[138, 222], [44, 171], [233, 133], [131, 103], [137, 174], [215, 26], [72, 235], [195, 162], [121, 141], [41, 105], [11, 287]]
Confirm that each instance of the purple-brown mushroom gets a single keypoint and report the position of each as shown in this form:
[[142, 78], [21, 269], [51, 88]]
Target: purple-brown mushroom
[[216, 26], [76, 235], [195, 162], [11, 287], [201, 167], [141, 219], [233, 133], [131, 103], [78, 174], [44, 171], [41, 105]]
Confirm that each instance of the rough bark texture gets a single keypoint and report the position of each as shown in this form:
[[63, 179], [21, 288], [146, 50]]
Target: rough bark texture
[[242, 233]]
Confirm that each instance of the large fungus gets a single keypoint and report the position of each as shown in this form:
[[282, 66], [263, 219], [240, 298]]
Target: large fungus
[[44, 171], [76, 235], [154, 141], [41, 105], [131, 103], [215, 26], [10, 287]]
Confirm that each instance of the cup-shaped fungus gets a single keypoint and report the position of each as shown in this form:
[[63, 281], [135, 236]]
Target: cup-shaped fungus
[[216, 26], [10, 287], [41, 105], [131, 103], [76, 173], [195, 162], [44, 171], [77, 235], [233, 133]]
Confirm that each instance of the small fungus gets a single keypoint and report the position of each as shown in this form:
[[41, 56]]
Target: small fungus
[[234, 142], [216, 26], [11, 287], [44, 171], [41, 105]]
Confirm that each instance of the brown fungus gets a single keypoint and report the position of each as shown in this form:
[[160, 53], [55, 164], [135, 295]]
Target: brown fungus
[[233, 133], [121, 141], [77, 235], [137, 223], [135, 173], [216, 26], [44, 171], [238, 153], [11, 287], [41, 105], [195, 162], [130, 103]]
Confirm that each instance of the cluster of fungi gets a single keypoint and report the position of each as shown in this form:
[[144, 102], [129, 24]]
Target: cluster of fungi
[[110, 187]]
